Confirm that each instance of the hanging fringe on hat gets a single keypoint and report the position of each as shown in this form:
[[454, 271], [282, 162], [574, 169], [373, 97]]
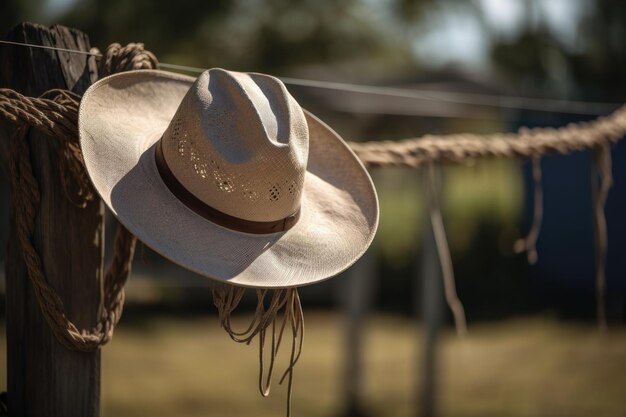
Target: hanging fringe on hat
[[281, 301]]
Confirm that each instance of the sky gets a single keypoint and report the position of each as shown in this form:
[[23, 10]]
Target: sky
[[54, 8], [466, 40]]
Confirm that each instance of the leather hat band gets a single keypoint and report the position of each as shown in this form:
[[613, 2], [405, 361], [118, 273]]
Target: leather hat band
[[212, 214]]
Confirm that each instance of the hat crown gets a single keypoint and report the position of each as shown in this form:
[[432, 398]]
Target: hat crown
[[239, 143]]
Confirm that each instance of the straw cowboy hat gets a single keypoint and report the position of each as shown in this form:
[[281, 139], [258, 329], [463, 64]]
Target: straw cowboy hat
[[227, 176]]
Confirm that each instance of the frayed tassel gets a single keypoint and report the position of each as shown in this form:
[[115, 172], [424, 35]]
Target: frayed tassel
[[282, 301], [529, 243]]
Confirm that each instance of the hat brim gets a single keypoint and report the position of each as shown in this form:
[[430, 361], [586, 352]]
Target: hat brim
[[123, 116]]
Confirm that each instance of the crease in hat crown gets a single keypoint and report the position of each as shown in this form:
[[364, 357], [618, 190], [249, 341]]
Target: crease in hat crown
[[239, 143]]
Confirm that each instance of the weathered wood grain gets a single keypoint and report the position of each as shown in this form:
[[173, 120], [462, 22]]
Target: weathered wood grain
[[44, 378]]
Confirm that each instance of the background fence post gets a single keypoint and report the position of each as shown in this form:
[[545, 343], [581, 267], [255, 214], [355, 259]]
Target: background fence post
[[357, 298], [429, 296], [44, 378]]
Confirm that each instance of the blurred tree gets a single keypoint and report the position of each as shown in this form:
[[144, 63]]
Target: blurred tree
[[243, 34], [13, 12], [601, 65], [358, 39], [592, 66], [166, 27]]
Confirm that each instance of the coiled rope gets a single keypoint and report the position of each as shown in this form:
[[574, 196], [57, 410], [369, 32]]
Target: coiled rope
[[56, 113]]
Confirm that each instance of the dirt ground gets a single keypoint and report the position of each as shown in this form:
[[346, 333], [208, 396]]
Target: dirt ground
[[527, 367]]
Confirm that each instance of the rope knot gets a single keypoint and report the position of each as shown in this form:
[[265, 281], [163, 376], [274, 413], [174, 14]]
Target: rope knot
[[55, 114], [118, 58]]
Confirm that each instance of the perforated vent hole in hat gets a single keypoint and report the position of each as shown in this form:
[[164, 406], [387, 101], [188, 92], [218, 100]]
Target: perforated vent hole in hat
[[291, 187], [178, 135], [248, 191], [274, 192], [222, 180], [204, 167]]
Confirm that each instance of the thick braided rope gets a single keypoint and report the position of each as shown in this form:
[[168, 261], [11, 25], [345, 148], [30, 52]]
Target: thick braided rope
[[56, 115], [597, 135], [459, 148], [118, 58]]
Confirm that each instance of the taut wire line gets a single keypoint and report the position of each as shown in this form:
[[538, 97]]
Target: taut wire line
[[487, 100]]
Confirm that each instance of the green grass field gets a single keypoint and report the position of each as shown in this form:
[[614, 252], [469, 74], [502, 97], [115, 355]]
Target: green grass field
[[530, 367], [490, 190]]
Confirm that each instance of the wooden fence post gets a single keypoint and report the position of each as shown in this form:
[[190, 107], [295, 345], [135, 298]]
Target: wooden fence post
[[431, 309], [44, 378], [430, 297], [360, 282]]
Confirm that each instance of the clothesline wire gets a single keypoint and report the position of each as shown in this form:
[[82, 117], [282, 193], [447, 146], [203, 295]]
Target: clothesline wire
[[486, 100]]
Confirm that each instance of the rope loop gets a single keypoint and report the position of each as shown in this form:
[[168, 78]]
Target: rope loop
[[118, 58], [55, 114]]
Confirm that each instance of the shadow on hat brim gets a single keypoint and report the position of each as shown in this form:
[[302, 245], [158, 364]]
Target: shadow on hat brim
[[121, 118]]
